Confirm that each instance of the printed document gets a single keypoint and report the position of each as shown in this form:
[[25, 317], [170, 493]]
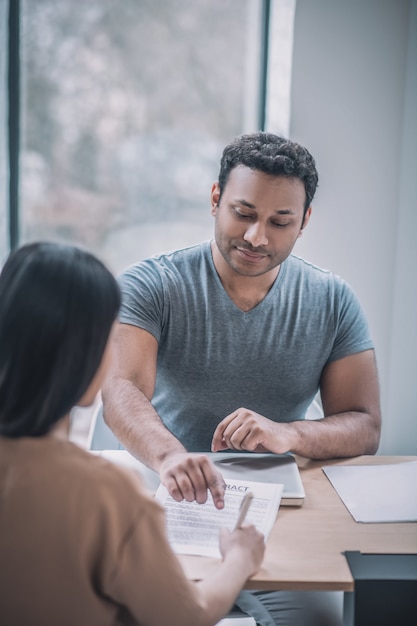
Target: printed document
[[194, 528]]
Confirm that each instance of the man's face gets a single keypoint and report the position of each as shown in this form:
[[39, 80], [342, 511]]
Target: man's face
[[258, 219]]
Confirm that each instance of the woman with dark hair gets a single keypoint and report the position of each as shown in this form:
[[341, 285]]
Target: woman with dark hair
[[81, 541]]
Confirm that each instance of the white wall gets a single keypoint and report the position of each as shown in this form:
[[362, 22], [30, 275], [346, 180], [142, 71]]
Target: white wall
[[354, 105]]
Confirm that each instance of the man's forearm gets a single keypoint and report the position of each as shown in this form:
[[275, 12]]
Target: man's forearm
[[342, 435], [134, 421]]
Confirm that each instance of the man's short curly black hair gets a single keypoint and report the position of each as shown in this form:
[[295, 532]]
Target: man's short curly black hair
[[272, 155]]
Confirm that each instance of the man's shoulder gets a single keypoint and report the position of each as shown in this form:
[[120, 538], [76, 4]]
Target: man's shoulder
[[297, 266], [179, 255], [300, 264], [181, 258], [314, 279]]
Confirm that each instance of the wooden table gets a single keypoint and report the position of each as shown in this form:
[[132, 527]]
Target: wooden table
[[305, 548]]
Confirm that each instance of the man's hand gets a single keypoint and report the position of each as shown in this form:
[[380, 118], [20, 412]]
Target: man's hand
[[188, 476], [246, 430]]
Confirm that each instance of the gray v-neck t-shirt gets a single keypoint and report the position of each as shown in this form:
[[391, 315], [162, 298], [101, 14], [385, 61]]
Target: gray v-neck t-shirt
[[214, 358]]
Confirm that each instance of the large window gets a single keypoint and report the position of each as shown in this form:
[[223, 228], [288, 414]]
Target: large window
[[125, 109]]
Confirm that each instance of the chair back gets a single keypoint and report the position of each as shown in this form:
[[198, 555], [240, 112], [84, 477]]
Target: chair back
[[100, 436]]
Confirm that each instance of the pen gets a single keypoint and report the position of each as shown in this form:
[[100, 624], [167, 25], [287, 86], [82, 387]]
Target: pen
[[243, 509]]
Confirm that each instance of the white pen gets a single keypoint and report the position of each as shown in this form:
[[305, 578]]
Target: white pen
[[243, 509]]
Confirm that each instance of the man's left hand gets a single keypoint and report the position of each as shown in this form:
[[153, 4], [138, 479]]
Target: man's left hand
[[246, 430]]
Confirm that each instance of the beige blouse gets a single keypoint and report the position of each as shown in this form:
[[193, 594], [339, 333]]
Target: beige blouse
[[83, 544]]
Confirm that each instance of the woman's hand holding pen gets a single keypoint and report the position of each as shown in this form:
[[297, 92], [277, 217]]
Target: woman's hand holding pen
[[245, 538], [245, 543]]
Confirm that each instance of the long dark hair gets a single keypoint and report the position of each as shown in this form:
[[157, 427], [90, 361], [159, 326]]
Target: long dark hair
[[57, 306]]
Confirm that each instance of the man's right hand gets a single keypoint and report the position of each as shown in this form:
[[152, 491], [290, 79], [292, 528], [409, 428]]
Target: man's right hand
[[189, 476]]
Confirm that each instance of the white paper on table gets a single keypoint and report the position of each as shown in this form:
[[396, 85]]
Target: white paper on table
[[377, 493], [194, 528]]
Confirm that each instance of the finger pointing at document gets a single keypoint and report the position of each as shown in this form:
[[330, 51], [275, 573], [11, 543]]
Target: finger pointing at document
[[190, 476]]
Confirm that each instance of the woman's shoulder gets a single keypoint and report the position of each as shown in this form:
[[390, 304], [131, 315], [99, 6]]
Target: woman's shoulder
[[101, 472], [95, 482]]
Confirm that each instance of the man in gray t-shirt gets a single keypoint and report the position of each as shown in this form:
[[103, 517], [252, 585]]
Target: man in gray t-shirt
[[218, 357], [224, 345]]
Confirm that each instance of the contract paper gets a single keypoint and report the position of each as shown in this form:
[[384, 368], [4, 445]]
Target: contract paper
[[377, 493], [194, 528]]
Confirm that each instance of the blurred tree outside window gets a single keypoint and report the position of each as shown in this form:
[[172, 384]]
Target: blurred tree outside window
[[126, 108]]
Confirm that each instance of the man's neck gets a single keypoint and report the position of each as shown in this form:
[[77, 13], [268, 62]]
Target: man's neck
[[245, 291]]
